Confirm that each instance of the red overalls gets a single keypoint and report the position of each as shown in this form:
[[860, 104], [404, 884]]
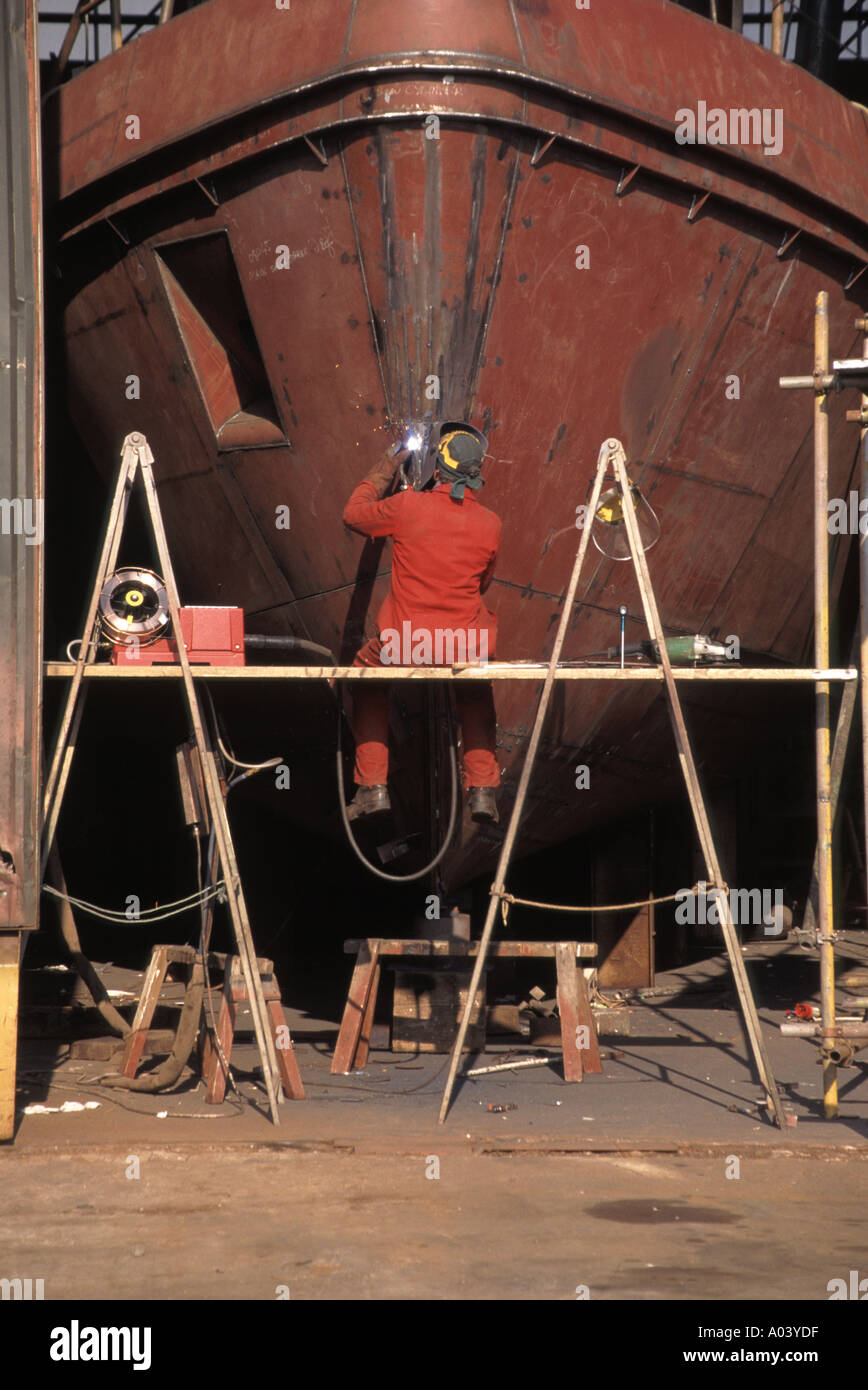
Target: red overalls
[[443, 558]]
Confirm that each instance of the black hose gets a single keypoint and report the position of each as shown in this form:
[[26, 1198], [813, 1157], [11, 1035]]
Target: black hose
[[68, 930], [259, 642], [168, 1072], [453, 808]]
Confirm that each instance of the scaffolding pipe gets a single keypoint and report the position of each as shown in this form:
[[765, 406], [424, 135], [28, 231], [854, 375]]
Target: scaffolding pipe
[[816, 1030], [839, 759], [84, 7], [806, 383], [825, 897]]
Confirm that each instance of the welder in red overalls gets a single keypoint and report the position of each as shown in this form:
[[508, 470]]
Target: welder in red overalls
[[444, 546]]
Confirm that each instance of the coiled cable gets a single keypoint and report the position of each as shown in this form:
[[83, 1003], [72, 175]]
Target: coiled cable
[[453, 808]]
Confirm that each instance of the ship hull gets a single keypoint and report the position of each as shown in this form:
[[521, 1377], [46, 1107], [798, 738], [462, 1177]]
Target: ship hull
[[340, 230]]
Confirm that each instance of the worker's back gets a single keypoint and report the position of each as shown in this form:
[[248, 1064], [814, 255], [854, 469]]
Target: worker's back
[[444, 549], [443, 557]]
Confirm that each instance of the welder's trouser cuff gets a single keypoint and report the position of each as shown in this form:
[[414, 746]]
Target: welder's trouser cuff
[[370, 724]]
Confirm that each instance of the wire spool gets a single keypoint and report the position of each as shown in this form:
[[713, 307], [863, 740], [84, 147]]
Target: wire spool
[[133, 606]]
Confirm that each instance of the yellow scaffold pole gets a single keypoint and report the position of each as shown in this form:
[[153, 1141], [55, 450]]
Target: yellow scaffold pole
[[825, 898]]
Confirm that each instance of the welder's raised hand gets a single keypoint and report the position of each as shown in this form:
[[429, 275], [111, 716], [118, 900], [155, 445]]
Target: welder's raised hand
[[383, 471]]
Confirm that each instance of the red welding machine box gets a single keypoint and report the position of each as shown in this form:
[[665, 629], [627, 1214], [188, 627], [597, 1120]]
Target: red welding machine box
[[212, 637]]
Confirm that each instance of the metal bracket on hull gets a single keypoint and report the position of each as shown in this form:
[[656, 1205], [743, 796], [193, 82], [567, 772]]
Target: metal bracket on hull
[[697, 203], [786, 242], [625, 178], [541, 150], [319, 150], [209, 193], [118, 231]]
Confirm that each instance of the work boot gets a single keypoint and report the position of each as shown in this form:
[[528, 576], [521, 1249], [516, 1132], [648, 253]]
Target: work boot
[[369, 801], [483, 807]]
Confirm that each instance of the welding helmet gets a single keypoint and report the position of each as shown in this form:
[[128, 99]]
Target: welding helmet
[[459, 454]]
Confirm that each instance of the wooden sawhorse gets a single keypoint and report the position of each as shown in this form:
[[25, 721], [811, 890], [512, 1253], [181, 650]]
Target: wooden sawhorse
[[234, 993], [578, 1030]]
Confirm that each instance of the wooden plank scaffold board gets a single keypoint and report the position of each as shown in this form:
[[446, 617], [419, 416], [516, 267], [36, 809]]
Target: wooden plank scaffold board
[[478, 671]]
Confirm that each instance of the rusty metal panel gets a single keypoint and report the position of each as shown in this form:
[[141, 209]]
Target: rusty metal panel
[[636, 67], [373, 259], [622, 873], [471, 276], [21, 480]]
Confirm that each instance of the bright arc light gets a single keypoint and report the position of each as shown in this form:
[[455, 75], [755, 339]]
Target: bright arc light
[[413, 441]]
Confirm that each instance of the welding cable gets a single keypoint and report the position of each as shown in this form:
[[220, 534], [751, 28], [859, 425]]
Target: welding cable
[[342, 1085], [250, 771], [453, 808], [169, 1071], [228, 1109], [258, 642], [150, 914], [78, 642], [69, 931], [248, 767], [597, 997], [230, 757]]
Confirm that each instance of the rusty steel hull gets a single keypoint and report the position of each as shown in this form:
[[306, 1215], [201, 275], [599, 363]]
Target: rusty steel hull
[[398, 195]]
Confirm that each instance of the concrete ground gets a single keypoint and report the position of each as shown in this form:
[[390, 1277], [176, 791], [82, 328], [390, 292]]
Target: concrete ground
[[206, 1222], [660, 1179]]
